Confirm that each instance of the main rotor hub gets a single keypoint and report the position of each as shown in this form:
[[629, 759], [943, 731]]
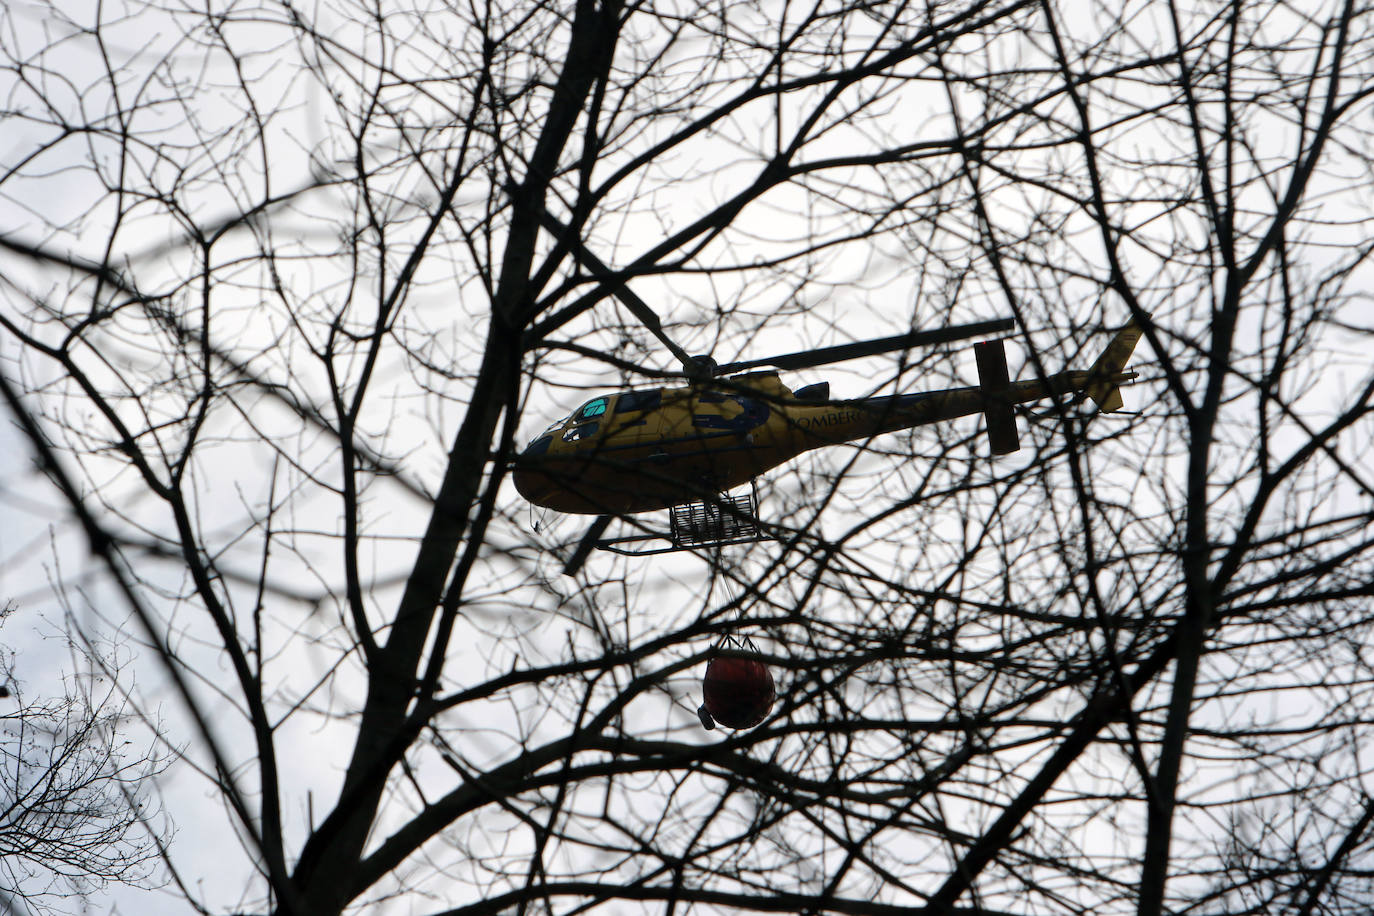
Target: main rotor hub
[[702, 366]]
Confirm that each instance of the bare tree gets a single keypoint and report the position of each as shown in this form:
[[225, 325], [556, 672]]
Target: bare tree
[[285, 286], [74, 800]]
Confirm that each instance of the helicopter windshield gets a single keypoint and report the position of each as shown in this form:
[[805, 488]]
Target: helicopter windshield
[[540, 443], [585, 431], [592, 409]]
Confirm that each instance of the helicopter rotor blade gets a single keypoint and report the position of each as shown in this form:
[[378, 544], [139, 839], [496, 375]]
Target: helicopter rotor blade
[[599, 269], [821, 356]]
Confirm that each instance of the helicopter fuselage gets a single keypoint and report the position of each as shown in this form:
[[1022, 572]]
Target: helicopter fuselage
[[636, 451]]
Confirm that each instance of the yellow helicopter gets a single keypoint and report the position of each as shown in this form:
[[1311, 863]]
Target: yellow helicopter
[[681, 448], [684, 448]]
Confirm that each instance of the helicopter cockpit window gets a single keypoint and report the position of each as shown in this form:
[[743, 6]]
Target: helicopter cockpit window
[[639, 400], [581, 432], [593, 408]]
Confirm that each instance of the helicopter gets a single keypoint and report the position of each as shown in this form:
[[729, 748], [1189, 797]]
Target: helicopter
[[684, 448]]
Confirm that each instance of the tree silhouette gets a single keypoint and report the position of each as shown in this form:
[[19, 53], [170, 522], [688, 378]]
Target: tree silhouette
[[74, 810], [286, 286]]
